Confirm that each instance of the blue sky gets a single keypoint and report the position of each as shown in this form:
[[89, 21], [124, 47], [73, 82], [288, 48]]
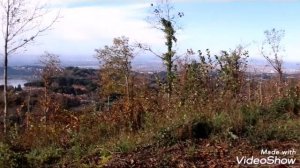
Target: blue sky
[[215, 24], [225, 25]]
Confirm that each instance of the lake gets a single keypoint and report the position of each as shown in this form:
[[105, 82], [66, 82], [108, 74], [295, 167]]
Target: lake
[[14, 82]]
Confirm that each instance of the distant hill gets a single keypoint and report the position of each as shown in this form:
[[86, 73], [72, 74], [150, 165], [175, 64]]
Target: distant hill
[[21, 70]]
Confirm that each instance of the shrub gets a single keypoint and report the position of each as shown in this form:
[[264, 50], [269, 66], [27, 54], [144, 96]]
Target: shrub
[[221, 122], [196, 129], [164, 137], [6, 156], [282, 131], [124, 146], [44, 157], [281, 106], [201, 129], [12, 156], [250, 114]]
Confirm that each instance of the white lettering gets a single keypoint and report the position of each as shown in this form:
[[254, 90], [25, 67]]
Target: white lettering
[[264, 152], [263, 161], [284, 161], [270, 160], [277, 160], [291, 161], [249, 160], [240, 161]]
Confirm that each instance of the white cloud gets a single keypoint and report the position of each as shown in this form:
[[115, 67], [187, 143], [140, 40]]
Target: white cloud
[[66, 1], [83, 29], [90, 23]]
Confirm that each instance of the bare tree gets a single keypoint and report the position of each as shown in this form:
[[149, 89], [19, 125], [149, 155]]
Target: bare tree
[[165, 19], [272, 50], [21, 25]]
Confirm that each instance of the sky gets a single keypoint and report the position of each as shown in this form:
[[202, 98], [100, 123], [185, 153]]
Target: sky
[[86, 25]]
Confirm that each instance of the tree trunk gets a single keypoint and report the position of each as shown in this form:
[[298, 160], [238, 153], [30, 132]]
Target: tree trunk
[[28, 108], [127, 88], [5, 74], [249, 91], [46, 105], [5, 91], [281, 77], [169, 78], [260, 94], [281, 81], [170, 75]]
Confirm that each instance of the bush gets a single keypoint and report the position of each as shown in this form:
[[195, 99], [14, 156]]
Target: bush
[[164, 137], [220, 122], [44, 157], [251, 114], [6, 156], [197, 129], [281, 106], [126, 144], [12, 156]]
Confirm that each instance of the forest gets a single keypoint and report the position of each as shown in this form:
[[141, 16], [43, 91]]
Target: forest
[[202, 110]]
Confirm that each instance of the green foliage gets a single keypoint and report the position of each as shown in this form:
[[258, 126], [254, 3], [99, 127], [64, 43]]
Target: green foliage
[[165, 19], [169, 31], [79, 72], [6, 156], [10, 158], [76, 152], [125, 145], [221, 122], [116, 68], [286, 105], [44, 157], [195, 129], [268, 130], [280, 106], [191, 150], [273, 123], [251, 114], [65, 84], [198, 77], [232, 67], [294, 98], [164, 137]]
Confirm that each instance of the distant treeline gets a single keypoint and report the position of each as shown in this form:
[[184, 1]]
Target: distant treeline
[[74, 81], [21, 71]]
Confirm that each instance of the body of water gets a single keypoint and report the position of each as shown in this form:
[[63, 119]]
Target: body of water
[[14, 82]]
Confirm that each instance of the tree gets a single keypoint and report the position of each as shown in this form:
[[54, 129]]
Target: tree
[[272, 50], [116, 78], [116, 66], [51, 68], [195, 77], [165, 19], [21, 25], [232, 67]]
